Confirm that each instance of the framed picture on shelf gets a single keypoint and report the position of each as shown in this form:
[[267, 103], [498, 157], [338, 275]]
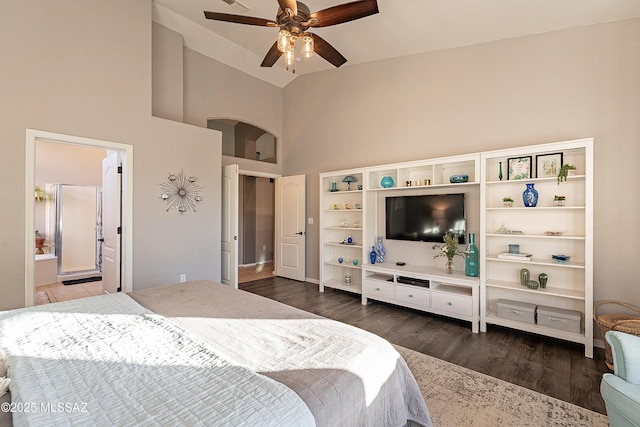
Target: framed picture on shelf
[[548, 165], [519, 167]]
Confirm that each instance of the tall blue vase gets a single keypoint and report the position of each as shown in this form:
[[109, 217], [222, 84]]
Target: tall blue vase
[[380, 253], [530, 196], [372, 255]]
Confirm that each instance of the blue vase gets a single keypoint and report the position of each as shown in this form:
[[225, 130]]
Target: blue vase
[[472, 258], [380, 253], [530, 196], [372, 255], [387, 182]]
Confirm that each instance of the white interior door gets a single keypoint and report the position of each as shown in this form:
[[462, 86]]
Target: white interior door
[[111, 222], [290, 227], [229, 273]]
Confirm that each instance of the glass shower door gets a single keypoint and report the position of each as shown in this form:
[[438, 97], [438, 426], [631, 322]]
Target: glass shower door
[[76, 230]]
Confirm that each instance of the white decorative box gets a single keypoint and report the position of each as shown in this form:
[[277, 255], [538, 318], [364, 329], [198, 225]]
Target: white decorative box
[[559, 318], [517, 310]]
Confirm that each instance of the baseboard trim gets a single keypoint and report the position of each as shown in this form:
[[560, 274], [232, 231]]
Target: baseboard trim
[[253, 264]]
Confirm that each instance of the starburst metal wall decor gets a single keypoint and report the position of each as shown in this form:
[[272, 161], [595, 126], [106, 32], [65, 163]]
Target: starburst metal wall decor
[[180, 192]]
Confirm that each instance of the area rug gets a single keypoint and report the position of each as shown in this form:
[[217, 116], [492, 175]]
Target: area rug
[[458, 396], [84, 280]]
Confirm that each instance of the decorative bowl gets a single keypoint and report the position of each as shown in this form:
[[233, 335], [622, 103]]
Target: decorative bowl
[[456, 179], [561, 258], [387, 182], [553, 233]]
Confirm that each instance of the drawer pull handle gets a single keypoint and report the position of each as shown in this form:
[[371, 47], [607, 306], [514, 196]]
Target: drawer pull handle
[[449, 303], [410, 295], [377, 289]]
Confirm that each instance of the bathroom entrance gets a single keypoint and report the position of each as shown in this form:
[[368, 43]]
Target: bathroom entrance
[[82, 203]]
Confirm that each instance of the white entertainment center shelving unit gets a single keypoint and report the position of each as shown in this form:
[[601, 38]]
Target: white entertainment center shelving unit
[[360, 213], [453, 295]]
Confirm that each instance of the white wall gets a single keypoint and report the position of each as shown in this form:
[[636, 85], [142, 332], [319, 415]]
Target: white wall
[[83, 67], [167, 73], [214, 90], [549, 87]]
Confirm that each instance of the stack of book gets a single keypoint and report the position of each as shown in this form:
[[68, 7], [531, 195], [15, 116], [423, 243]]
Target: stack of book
[[517, 256]]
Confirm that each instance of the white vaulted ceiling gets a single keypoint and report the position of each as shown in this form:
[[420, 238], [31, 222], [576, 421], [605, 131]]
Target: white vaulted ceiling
[[402, 27]]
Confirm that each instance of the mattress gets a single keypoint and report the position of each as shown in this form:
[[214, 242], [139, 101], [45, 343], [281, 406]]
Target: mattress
[[320, 371]]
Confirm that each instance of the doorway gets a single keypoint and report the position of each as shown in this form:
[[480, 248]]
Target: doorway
[[256, 221], [56, 160], [289, 229]]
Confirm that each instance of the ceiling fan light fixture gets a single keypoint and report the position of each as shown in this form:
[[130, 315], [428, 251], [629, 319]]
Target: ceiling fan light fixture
[[293, 18], [307, 45]]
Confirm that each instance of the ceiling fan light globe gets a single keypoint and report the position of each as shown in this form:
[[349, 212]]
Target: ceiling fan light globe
[[307, 46], [289, 57], [283, 40]]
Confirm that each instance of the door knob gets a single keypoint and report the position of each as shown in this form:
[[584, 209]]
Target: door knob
[[300, 233]]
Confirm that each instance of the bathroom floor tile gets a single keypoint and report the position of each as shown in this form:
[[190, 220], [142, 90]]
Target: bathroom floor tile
[[56, 292]]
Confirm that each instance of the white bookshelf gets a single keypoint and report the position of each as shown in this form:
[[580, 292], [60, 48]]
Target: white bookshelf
[[570, 284], [341, 216]]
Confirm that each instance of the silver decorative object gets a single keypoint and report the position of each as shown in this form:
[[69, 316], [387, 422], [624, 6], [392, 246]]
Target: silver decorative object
[[180, 192]]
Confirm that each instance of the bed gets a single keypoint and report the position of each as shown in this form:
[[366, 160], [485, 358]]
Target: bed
[[200, 353]]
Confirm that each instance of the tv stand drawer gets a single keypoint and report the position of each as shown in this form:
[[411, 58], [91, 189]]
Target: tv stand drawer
[[413, 295], [377, 288], [453, 303]]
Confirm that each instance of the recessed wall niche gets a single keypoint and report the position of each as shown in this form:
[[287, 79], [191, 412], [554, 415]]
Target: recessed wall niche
[[245, 141]]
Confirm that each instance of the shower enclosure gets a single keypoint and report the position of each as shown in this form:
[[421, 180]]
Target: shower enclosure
[[77, 224]]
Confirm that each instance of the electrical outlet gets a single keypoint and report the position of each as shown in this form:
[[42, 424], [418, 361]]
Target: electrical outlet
[[310, 221], [183, 278], [264, 247]]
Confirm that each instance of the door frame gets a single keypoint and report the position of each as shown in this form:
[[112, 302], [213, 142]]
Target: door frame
[[32, 136]]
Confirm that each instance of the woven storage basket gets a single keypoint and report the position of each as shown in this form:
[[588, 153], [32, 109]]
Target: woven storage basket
[[616, 322]]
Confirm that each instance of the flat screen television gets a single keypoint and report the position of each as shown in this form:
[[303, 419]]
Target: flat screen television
[[425, 218]]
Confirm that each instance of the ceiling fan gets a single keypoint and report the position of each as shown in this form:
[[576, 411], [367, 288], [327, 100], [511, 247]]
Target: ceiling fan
[[293, 19]]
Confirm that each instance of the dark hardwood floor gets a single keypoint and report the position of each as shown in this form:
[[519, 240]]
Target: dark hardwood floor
[[549, 366]]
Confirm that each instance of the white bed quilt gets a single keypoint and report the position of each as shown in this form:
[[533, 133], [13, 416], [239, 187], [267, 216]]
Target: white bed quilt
[[347, 376], [109, 361]]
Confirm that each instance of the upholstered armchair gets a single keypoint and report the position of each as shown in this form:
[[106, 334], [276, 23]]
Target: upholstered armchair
[[621, 390]]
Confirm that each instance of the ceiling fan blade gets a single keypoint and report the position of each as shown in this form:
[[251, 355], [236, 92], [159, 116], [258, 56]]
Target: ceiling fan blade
[[289, 4], [272, 56], [343, 13], [328, 52], [240, 19]]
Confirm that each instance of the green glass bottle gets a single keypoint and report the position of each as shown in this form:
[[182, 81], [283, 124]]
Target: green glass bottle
[[472, 258]]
